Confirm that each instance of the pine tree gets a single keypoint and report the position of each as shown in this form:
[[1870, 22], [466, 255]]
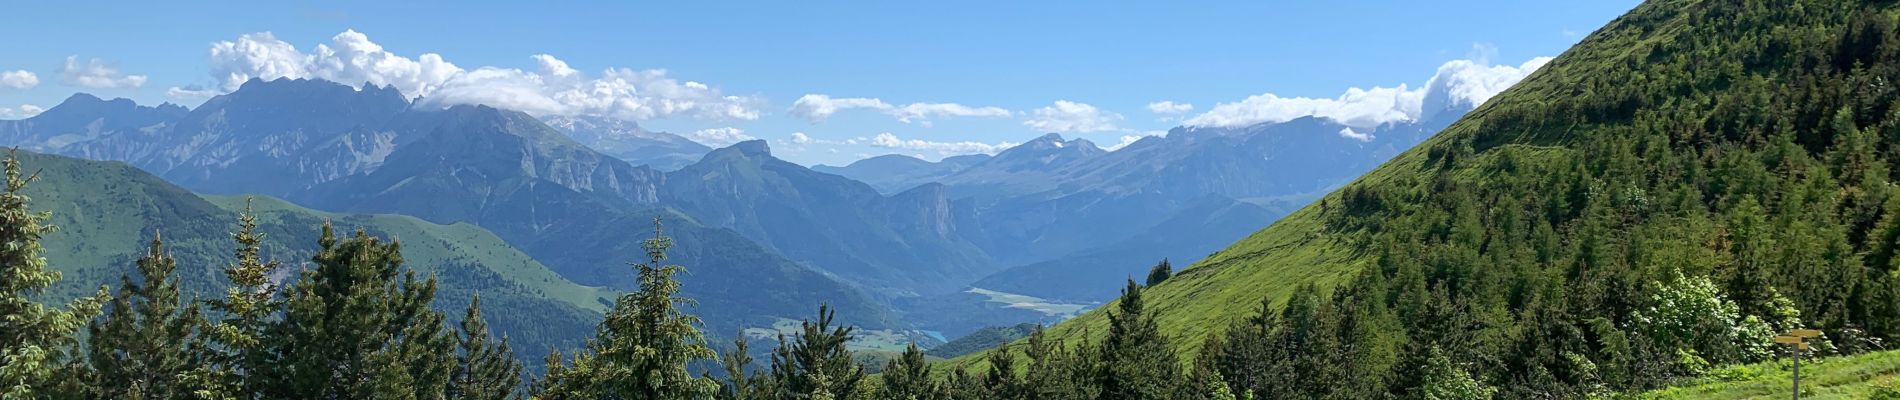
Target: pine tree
[[1136, 359], [1160, 272], [143, 347], [237, 349], [485, 369], [358, 326], [37, 342], [816, 360], [908, 378]]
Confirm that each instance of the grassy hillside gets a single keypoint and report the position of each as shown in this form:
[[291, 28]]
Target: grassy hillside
[[1744, 144], [106, 211], [1865, 376]]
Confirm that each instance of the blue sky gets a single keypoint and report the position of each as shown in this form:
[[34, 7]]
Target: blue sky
[[948, 77]]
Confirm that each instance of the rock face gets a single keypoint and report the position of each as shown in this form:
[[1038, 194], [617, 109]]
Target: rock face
[[333, 147], [627, 141]]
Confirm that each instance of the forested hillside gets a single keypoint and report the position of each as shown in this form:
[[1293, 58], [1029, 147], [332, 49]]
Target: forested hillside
[[1665, 196], [106, 211]]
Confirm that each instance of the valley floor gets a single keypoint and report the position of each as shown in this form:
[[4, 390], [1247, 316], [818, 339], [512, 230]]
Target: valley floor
[[1865, 376]]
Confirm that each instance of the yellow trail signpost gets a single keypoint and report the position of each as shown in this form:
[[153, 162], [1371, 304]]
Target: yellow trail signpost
[[1798, 338]]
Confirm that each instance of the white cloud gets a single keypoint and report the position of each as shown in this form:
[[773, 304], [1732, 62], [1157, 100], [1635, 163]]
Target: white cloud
[[1456, 83], [922, 111], [97, 74], [1169, 107], [800, 138], [554, 88], [1355, 135], [818, 108], [1067, 116], [191, 94], [1131, 139], [19, 79], [22, 112], [890, 141], [719, 137]]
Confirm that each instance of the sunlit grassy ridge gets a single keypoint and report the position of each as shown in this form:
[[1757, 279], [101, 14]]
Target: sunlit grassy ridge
[[1853, 377]]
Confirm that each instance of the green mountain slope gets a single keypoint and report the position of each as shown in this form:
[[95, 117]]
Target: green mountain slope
[[1748, 143], [1865, 376], [106, 211]]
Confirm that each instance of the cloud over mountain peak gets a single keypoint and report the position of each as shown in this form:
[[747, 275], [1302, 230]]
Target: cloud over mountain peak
[[553, 89], [1456, 83]]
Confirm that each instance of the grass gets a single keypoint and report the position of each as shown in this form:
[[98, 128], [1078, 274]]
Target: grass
[[1854, 377]]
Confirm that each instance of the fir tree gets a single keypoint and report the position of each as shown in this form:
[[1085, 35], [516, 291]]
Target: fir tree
[[816, 361], [1001, 381], [485, 369], [1160, 272], [238, 349], [37, 342], [143, 348], [358, 326], [908, 378], [1137, 361], [738, 383], [643, 346]]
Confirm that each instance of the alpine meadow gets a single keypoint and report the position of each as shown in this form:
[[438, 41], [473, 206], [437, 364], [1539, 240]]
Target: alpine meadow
[[1698, 199]]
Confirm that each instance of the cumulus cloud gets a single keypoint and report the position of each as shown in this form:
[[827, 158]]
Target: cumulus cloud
[[719, 137], [190, 94], [819, 107], [19, 79], [1355, 135], [1169, 107], [890, 141], [552, 88], [96, 74], [800, 138], [1071, 117], [1459, 83], [22, 112]]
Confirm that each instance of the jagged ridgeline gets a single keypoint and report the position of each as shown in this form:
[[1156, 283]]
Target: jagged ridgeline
[[1664, 196], [107, 212]]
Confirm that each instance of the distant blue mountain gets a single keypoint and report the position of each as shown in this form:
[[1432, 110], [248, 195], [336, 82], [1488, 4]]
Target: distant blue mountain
[[892, 173]]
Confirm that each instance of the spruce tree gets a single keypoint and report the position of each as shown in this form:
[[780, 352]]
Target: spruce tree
[[738, 383], [1160, 272], [643, 345], [248, 306], [646, 341], [143, 348], [816, 360], [1001, 381], [37, 342], [358, 326], [908, 377], [1137, 362], [485, 368]]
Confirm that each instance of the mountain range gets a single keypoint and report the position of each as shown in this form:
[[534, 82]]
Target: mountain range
[[893, 242]]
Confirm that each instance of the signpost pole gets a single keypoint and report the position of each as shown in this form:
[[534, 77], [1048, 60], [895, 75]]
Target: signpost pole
[[1797, 373]]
